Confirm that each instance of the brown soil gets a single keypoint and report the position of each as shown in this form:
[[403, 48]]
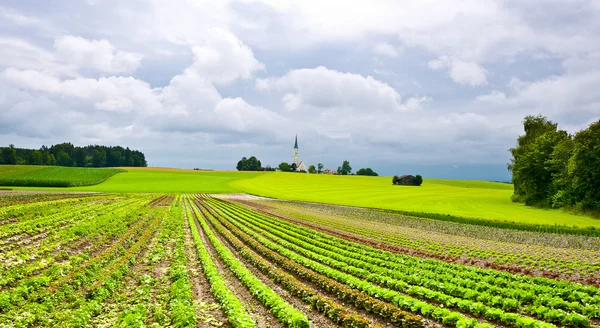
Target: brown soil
[[164, 200], [200, 285]]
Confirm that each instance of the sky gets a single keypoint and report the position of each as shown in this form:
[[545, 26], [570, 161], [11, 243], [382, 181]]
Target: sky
[[437, 88]]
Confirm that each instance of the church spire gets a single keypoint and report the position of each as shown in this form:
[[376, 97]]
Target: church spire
[[296, 151]]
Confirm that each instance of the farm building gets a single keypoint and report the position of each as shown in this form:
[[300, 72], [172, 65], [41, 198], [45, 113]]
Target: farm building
[[406, 179]]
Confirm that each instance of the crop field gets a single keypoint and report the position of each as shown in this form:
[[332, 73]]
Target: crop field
[[52, 176], [201, 260], [171, 180]]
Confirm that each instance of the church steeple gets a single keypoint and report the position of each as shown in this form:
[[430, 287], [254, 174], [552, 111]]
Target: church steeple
[[296, 151]]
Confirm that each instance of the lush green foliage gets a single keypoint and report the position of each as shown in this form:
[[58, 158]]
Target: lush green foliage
[[368, 171], [285, 167], [552, 168], [418, 180], [66, 154], [48, 176], [345, 169], [249, 164]]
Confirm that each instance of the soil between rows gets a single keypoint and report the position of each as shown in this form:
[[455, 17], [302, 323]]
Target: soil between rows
[[259, 313], [200, 285], [316, 318]]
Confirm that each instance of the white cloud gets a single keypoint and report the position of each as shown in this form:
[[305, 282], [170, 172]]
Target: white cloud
[[95, 54], [223, 58], [240, 116], [461, 72], [468, 73], [386, 49], [194, 92], [322, 89]]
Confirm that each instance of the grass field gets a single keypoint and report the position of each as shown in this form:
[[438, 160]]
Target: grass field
[[472, 199], [464, 198], [52, 176]]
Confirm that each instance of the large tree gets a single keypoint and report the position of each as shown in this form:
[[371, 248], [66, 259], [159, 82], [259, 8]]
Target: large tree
[[63, 159], [320, 168], [345, 169], [532, 176], [99, 158], [312, 169], [284, 167], [367, 171], [585, 167], [9, 155], [249, 164]]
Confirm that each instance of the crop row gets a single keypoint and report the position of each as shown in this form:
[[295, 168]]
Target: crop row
[[536, 286], [342, 291], [47, 308], [390, 297], [572, 257], [374, 270], [282, 310], [230, 304], [385, 276], [50, 257], [329, 307]]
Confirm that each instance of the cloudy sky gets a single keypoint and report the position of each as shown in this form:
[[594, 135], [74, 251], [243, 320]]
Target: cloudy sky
[[431, 87]]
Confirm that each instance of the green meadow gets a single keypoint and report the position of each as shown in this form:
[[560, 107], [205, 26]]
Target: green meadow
[[464, 198]]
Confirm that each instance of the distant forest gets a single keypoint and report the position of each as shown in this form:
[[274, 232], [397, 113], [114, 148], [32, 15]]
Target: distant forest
[[65, 154]]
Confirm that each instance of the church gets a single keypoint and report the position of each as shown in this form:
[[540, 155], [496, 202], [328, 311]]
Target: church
[[299, 166]]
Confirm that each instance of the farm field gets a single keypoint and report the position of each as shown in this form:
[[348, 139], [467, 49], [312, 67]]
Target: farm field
[[128, 179], [566, 256], [52, 176], [194, 260]]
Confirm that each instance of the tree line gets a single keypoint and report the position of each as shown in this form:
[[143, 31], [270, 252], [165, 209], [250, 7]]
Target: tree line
[[552, 168], [66, 154], [253, 164]]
